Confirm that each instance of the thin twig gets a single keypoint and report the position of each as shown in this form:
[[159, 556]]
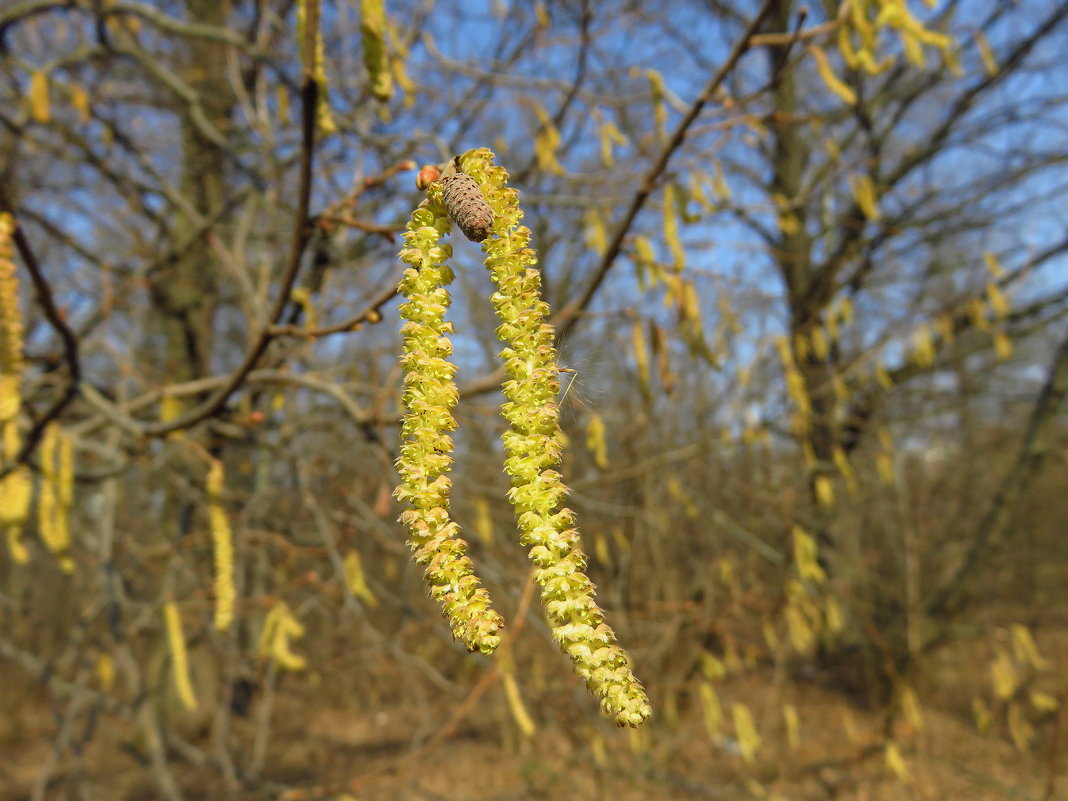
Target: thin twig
[[802, 34], [372, 314]]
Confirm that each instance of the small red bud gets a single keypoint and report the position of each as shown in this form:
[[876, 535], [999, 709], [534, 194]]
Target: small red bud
[[427, 175]]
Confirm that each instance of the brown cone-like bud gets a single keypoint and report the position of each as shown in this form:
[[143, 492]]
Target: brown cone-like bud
[[467, 206]]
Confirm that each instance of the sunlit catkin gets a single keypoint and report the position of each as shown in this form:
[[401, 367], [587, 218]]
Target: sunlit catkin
[[222, 549], [279, 629], [57, 485], [425, 456], [11, 331], [306, 9], [372, 37], [179, 659], [533, 447], [15, 487]]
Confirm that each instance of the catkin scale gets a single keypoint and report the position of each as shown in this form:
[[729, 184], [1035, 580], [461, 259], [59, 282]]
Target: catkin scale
[[466, 205]]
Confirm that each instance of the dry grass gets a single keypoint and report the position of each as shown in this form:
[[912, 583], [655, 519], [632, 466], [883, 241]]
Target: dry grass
[[379, 752]]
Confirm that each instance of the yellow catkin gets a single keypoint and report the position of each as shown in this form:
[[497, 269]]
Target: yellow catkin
[[595, 440], [596, 236], [658, 94], [793, 725], [749, 740], [425, 459], [671, 227], [40, 108], [641, 356], [357, 581], [833, 82], [79, 99], [711, 710], [516, 706], [179, 659], [372, 35], [57, 483], [534, 449], [1020, 728], [223, 549], [483, 521], [547, 142], [990, 62], [610, 136], [278, 629], [105, 672], [911, 709], [11, 328], [1025, 649], [864, 194], [15, 487], [895, 763], [806, 557], [323, 118]]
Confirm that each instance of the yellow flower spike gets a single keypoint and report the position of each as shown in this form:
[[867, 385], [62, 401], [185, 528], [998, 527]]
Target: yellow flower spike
[[372, 35], [425, 458], [179, 659], [711, 709], [57, 482], [20, 555], [749, 740], [15, 487], [40, 108], [357, 581], [832, 81], [533, 446], [222, 541], [11, 328], [324, 120], [278, 629]]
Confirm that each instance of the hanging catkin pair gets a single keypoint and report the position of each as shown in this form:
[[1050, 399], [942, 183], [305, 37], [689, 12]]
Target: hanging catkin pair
[[473, 191]]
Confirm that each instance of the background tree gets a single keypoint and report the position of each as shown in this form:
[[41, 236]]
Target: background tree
[[806, 263]]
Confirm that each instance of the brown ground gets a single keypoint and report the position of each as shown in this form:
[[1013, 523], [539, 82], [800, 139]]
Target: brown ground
[[326, 749]]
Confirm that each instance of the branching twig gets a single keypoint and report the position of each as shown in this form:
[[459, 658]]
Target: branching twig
[[372, 314], [309, 96], [1033, 452], [570, 315]]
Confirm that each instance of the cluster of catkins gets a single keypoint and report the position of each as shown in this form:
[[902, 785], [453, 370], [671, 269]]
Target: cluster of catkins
[[472, 192]]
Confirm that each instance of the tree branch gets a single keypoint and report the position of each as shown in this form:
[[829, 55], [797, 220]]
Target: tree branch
[[1032, 454], [309, 95], [569, 316]]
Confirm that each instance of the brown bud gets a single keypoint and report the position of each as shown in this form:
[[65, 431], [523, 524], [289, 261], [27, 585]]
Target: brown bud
[[427, 175], [467, 206]]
